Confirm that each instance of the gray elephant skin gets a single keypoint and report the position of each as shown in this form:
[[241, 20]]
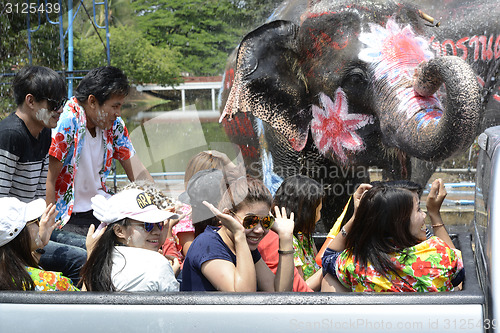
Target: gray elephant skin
[[330, 88]]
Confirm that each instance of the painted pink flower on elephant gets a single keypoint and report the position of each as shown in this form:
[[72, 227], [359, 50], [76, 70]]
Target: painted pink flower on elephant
[[394, 51], [334, 129]]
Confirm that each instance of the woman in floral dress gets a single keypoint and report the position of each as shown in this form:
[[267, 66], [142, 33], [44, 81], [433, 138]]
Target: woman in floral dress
[[303, 196], [24, 230], [384, 246]]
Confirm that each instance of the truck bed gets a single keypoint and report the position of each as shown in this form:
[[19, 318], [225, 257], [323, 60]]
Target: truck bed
[[271, 312]]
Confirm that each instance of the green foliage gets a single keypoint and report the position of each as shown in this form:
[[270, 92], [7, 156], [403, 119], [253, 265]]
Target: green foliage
[[205, 31], [130, 51], [14, 52]]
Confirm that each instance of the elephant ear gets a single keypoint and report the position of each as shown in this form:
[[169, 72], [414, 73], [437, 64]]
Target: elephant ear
[[267, 82]]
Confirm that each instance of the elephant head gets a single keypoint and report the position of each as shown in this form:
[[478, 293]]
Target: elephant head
[[356, 81]]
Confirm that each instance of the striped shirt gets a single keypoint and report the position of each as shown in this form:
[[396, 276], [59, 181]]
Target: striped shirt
[[23, 160]]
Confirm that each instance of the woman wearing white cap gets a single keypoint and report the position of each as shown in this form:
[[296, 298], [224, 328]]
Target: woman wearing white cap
[[125, 257], [21, 225]]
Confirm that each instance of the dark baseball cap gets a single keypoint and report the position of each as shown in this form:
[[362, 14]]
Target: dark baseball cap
[[205, 185]]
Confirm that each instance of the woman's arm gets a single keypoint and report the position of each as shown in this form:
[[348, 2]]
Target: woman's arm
[[338, 243], [48, 223], [314, 281], [225, 276], [283, 226], [434, 201], [301, 271], [283, 280], [332, 284], [185, 240], [135, 170]]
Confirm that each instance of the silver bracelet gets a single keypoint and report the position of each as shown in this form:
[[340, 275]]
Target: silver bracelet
[[343, 232]]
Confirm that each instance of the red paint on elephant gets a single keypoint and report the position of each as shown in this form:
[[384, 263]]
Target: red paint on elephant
[[323, 41], [334, 129], [239, 126], [240, 129], [393, 52], [402, 48], [228, 79]]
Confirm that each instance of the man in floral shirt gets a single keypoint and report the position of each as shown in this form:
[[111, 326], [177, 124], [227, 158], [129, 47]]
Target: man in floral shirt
[[89, 134]]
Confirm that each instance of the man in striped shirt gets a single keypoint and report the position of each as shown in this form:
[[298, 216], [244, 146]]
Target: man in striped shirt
[[25, 137]]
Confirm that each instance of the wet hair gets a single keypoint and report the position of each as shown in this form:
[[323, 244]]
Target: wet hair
[[103, 83], [381, 226], [14, 257], [301, 195], [406, 184], [201, 161], [243, 192], [96, 273], [41, 82]]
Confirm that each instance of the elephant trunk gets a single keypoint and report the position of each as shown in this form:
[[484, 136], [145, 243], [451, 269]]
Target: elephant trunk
[[423, 128]]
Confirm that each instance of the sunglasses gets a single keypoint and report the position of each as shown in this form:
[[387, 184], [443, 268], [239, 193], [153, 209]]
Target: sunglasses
[[149, 226], [56, 105], [250, 221]]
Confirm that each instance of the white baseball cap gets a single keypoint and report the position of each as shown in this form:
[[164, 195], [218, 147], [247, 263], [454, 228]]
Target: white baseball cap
[[14, 214], [130, 203]]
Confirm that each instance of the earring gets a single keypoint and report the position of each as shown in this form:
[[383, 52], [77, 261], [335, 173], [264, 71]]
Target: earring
[[129, 239]]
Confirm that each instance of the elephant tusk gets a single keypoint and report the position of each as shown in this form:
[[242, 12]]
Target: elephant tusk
[[430, 19]]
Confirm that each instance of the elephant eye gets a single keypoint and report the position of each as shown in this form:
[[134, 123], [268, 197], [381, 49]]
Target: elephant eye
[[356, 77]]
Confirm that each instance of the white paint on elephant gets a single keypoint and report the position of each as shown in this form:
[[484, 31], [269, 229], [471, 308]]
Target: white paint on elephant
[[334, 129], [270, 179], [413, 105], [44, 116], [393, 54]]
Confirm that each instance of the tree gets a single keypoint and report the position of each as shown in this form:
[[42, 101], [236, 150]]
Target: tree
[[204, 31], [14, 51], [130, 51]]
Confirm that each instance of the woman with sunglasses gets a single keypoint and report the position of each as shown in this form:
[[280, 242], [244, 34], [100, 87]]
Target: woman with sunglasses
[[226, 258], [123, 252], [21, 225]]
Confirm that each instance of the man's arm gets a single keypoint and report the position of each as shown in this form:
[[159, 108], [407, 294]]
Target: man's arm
[[55, 167], [6, 171], [135, 170]]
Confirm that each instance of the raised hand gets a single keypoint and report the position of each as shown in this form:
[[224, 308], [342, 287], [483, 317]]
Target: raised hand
[[93, 236], [227, 220], [360, 191], [436, 196], [48, 223], [283, 225]]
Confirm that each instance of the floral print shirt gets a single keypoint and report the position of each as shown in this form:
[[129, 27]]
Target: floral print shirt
[[428, 266], [50, 281], [67, 143], [304, 255]]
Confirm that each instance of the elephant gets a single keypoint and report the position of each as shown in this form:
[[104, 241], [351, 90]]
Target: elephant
[[329, 88], [470, 30]]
